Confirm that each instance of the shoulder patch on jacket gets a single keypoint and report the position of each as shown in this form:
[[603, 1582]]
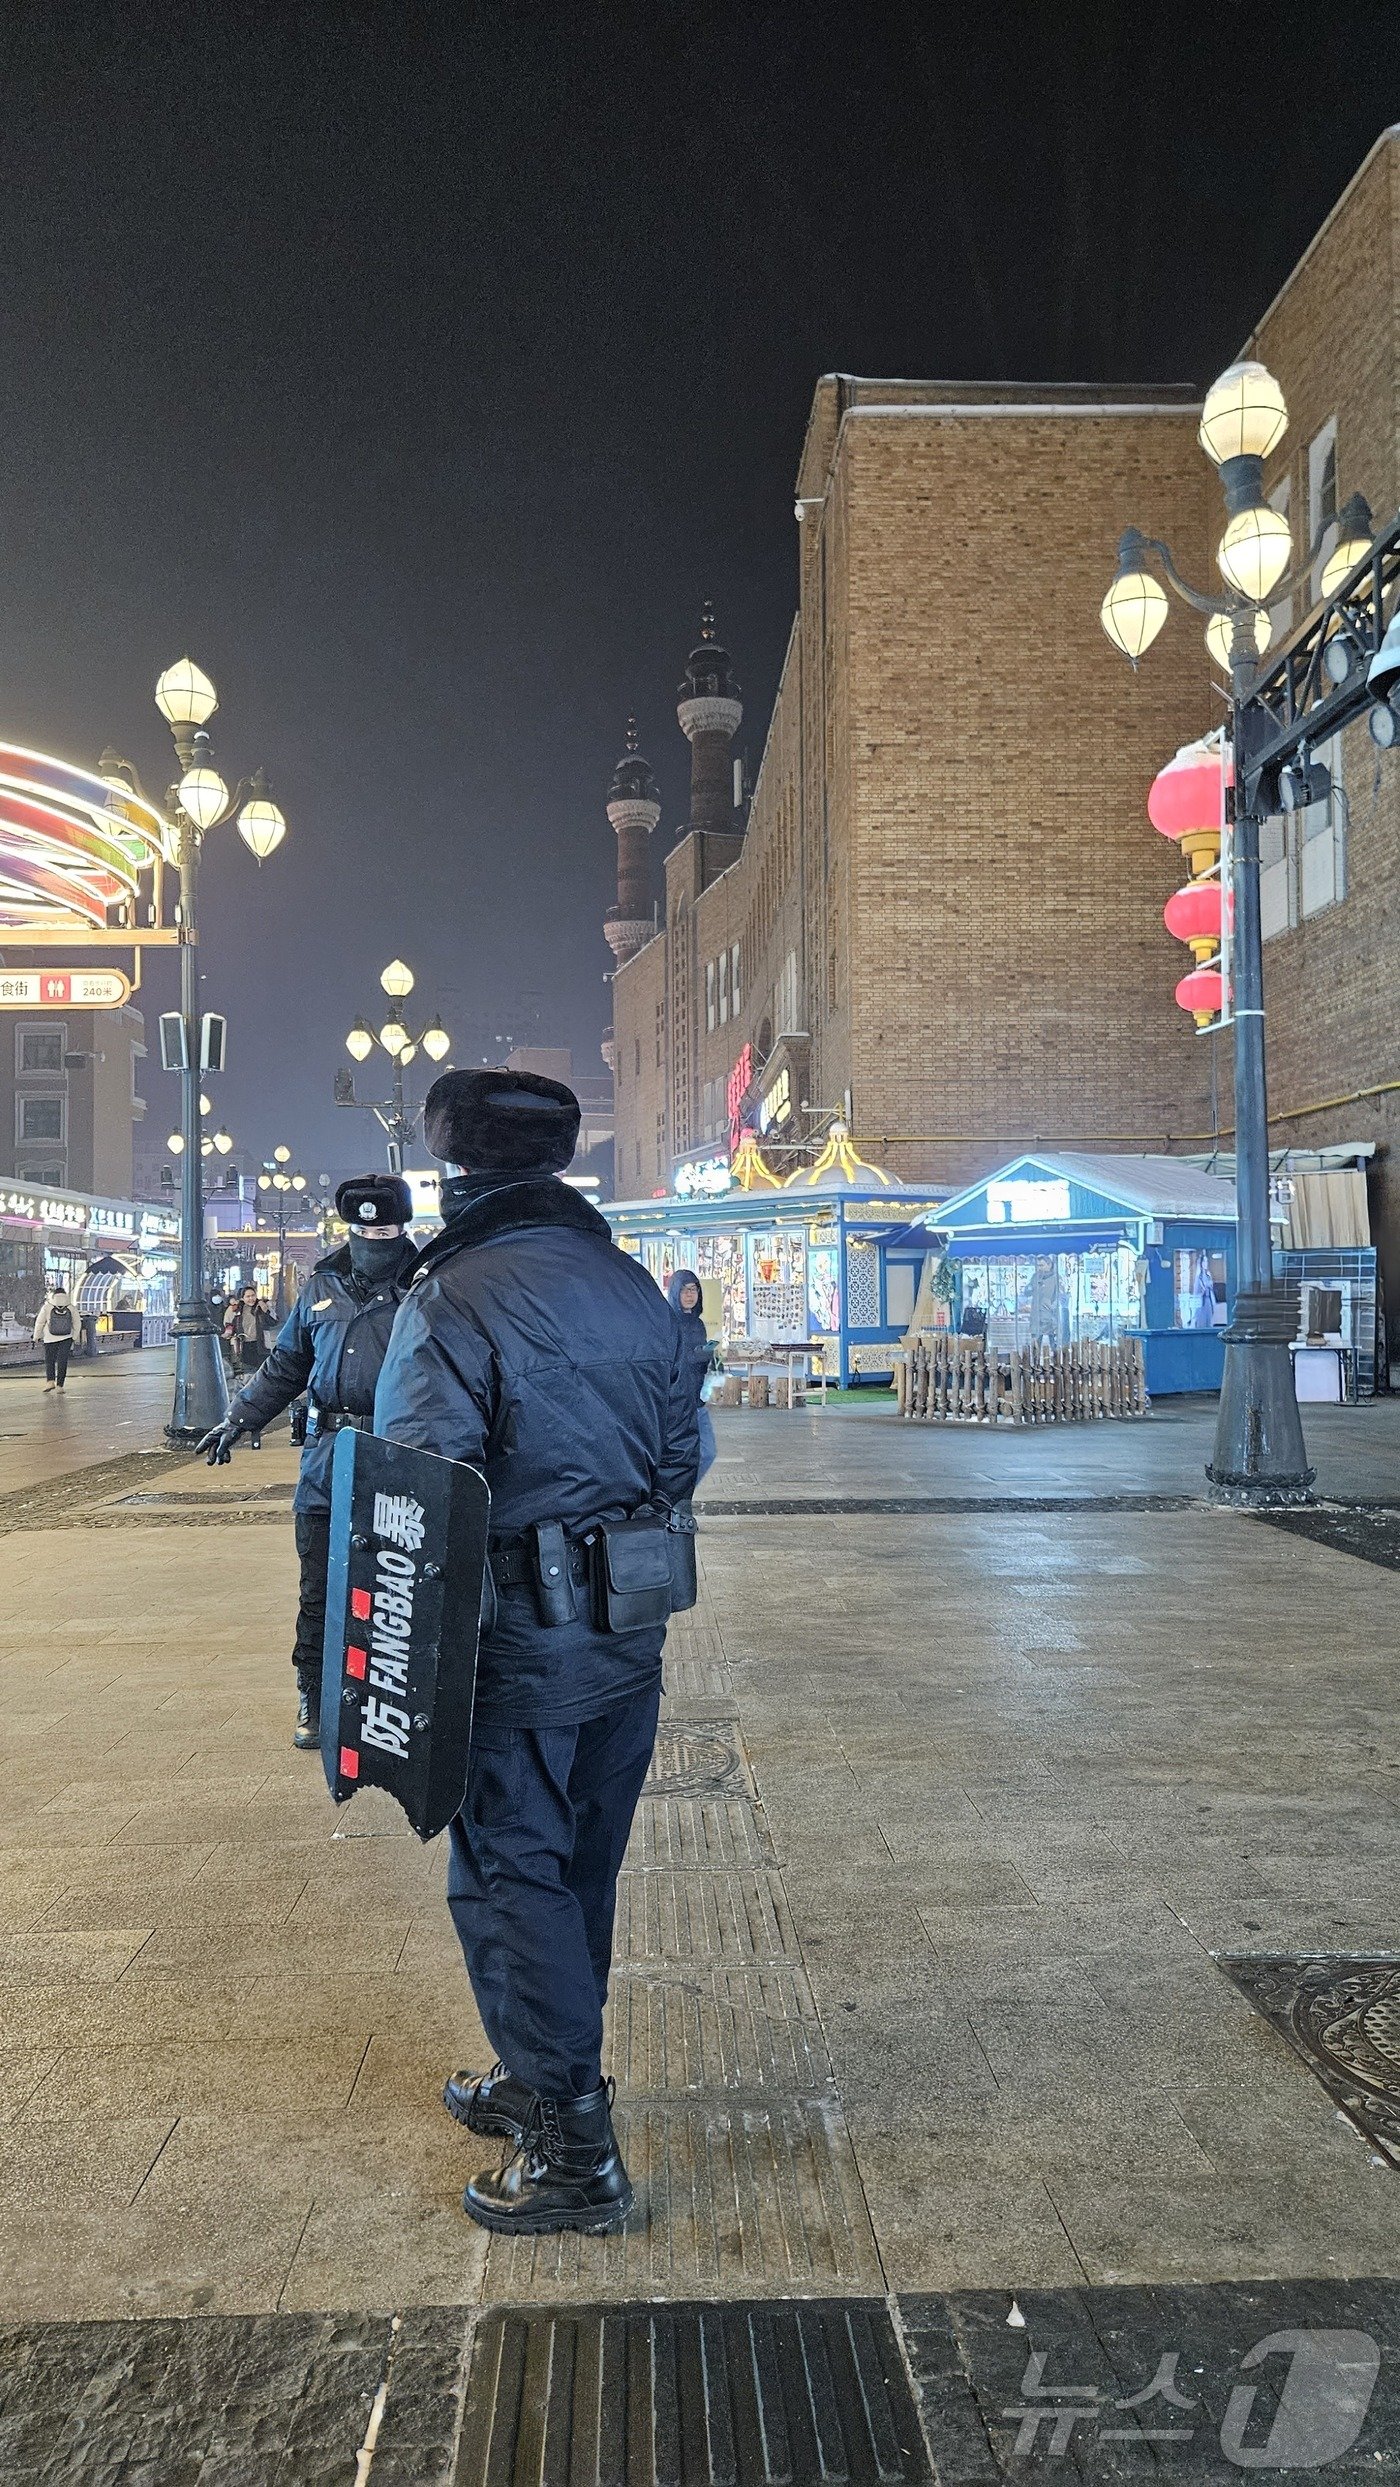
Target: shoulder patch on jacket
[[324, 1304]]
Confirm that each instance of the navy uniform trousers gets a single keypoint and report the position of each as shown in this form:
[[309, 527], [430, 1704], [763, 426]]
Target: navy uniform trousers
[[532, 1885]]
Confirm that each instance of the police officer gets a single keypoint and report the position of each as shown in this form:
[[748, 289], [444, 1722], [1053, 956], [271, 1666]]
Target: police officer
[[331, 1346], [530, 1346]]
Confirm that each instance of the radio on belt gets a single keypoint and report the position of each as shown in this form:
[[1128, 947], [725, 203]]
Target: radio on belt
[[403, 1615]]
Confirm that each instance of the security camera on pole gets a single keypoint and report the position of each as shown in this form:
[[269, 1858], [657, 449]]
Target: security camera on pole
[[191, 1042], [394, 1116], [1341, 663]]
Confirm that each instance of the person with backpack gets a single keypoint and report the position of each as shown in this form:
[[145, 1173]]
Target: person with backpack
[[53, 1331]]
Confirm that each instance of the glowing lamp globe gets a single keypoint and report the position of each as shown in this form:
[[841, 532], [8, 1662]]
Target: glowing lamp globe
[[1133, 612], [203, 797], [359, 1044], [282, 1154], [1219, 632], [1244, 415], [298, 1183], [1193, 915], [223, 1142], [397, 980], [175, 1143], [261, 826], [1202, 993], [1254, 552], [393, 1036], [184, 695], [436, 1042], [264, 1182]]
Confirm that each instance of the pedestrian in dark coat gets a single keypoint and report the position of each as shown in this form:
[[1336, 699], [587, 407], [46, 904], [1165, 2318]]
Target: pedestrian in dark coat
[[529, 1346], [331, 1346], [686, 1299]]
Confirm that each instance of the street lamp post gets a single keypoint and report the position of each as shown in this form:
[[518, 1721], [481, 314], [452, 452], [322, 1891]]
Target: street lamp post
[[1260, 1459], [400, 1044], [276, 1178], [187, 700]]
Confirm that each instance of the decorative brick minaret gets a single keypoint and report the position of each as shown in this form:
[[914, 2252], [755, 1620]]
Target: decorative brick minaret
[[710, 712], [634, 811]]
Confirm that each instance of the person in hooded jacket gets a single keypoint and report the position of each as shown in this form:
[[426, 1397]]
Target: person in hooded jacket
[[686, 1299], [531, 1347], [331, 1346]]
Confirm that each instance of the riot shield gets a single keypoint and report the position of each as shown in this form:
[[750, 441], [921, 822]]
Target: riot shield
[[403, 1611]]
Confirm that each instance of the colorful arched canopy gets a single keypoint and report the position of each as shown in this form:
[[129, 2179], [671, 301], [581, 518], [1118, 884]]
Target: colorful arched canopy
[[72, 844]]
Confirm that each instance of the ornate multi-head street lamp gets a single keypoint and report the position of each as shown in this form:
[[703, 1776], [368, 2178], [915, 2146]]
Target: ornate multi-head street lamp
[[284, 1183], [399, 1042], [1334, 667], [194, 805]]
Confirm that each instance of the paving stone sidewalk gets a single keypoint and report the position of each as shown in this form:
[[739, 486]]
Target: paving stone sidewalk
[[918, 2022]]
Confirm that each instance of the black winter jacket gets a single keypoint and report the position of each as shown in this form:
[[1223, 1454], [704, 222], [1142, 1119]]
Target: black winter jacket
[[529, 1346], [331, 1344]]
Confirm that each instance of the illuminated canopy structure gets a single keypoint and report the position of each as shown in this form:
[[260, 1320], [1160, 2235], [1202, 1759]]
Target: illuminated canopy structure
[[73, 846]]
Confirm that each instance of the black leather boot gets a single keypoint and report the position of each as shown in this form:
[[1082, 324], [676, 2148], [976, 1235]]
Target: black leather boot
[[307, 1733], [493, 2102], [567, 2173]]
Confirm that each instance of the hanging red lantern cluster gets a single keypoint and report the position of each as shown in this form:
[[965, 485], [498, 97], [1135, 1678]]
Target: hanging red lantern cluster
[[1185, 804]]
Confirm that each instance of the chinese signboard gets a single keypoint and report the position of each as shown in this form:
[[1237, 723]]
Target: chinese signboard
[[1025, 1203], [63, 988]]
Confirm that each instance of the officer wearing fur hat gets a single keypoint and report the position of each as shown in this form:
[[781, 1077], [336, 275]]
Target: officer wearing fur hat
[[331, 1346], [529, 1346]]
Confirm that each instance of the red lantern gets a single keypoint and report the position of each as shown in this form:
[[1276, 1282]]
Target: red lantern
[[1185, 795], [1193, 914], [1202, 993]]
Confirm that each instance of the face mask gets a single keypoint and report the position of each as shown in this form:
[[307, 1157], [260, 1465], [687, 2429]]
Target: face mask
[[373, 1256]]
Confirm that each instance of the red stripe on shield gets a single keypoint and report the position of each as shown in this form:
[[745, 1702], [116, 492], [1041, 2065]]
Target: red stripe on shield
[[349, 1762], [356, 1661]]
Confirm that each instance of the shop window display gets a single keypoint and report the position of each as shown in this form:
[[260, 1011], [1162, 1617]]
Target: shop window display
[[1200, 1290], [1054, 1297]]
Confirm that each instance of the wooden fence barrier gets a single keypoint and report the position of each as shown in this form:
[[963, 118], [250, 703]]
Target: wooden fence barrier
[[946, 1380]]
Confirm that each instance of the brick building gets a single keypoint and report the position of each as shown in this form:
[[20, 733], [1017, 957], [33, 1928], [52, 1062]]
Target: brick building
[[69, 1103], [943, 917]]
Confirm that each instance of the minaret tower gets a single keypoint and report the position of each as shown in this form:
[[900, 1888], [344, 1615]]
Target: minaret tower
[[634, 810], [710, 712]]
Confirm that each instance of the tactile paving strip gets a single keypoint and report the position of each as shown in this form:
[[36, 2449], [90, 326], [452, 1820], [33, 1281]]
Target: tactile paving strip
[[722, 2030], [691, 2396], [692, 1917], [731, 2201], [704, 1832]]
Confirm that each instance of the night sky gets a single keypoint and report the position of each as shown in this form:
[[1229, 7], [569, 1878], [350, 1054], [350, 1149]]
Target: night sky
[[419, 370]]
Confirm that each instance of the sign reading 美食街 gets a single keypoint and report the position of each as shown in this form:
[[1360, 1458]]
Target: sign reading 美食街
[[63, 988], [1026, 1203]]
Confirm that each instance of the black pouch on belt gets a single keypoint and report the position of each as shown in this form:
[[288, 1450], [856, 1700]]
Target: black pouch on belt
[[548, 1549], [630, 1574]]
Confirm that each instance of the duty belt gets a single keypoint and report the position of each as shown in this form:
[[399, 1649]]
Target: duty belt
[[513, 1563], [336, 1420]]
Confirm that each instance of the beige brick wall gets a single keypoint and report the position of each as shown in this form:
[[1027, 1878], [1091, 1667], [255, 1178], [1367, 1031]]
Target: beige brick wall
[[1332, 985], [948, 833]]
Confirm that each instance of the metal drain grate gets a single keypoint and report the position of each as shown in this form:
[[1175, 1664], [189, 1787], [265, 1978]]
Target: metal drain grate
[[777, 2395], [1342, 2013]]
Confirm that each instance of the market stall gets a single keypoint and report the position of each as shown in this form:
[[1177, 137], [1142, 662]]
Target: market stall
[[831, 1259], [1056, 1249]]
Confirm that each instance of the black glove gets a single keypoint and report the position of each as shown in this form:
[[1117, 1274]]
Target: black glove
[[217, 1444]]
